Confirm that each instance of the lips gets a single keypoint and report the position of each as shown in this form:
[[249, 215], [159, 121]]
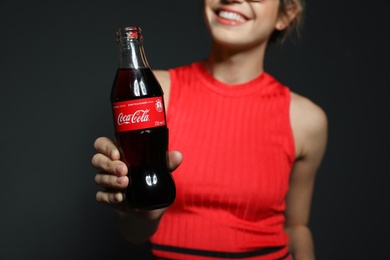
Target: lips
[[230, 17]]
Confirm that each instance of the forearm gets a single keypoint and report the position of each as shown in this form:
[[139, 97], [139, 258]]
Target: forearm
[[138, 227], [301, 243]]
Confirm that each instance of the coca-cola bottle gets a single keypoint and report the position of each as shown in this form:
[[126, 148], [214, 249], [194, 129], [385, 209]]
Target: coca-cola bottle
[[140, 127]]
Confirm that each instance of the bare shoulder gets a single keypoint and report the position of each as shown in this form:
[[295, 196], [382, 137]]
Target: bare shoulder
[[164, 79], [309, 123], [307, 113]]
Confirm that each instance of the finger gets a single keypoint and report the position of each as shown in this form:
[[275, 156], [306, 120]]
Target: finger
[[112, 198], [103, 163], [111, 181], [175, 159], [107, 147]]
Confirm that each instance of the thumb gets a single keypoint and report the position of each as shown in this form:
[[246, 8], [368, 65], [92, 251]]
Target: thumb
[[175, 159]]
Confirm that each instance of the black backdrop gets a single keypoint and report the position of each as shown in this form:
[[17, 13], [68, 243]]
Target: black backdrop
[[57, 63]]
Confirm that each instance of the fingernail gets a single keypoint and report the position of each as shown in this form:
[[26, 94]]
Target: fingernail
[[120, 180], [118, 197], [118, 169]]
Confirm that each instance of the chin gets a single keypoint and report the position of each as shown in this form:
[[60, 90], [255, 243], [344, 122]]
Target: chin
[[227, 38]]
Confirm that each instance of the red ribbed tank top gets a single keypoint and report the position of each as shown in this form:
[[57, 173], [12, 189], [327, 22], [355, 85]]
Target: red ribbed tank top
[[238, 152]]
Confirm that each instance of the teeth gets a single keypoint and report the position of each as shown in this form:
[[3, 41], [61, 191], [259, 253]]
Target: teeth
[[231, 16]]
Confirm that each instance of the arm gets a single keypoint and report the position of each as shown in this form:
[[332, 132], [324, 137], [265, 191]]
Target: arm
[[309, 124]]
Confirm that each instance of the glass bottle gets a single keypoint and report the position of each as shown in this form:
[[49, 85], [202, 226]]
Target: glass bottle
[[141, 131]]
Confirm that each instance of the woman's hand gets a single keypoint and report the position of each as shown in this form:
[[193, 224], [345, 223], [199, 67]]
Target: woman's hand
[[112, 172], [112, 176]]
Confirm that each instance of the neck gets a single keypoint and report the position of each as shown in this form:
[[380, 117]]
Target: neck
[[235, 67]]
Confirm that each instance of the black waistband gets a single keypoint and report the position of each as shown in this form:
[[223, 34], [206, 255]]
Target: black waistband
[[217, 254]]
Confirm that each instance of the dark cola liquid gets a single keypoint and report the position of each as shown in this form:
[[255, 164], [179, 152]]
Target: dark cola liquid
[[144, 151]]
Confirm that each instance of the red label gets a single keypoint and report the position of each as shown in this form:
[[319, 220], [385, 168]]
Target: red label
[[138, 114]]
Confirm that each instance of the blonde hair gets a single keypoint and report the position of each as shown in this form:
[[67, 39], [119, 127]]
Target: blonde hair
[[295, 25]]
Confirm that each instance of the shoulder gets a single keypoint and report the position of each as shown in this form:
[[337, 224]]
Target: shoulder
[[163, 78], [306, 112], [180, 73], [309, 123]]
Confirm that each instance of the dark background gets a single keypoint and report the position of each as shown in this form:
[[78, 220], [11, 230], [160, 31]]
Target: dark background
[[57, 64]]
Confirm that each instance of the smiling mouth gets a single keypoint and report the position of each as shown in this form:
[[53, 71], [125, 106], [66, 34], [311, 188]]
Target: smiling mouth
[[231, 16]]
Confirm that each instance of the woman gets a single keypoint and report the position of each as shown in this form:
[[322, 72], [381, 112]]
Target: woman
[[251, 148]]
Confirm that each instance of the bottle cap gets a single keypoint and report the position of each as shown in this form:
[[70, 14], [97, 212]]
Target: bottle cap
[[130, 33]]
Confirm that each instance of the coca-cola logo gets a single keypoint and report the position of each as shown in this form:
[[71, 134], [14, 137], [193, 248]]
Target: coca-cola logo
[[138, 116]]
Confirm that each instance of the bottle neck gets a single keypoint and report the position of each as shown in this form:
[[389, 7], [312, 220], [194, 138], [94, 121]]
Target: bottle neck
[[131, 50], [131, 54]]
